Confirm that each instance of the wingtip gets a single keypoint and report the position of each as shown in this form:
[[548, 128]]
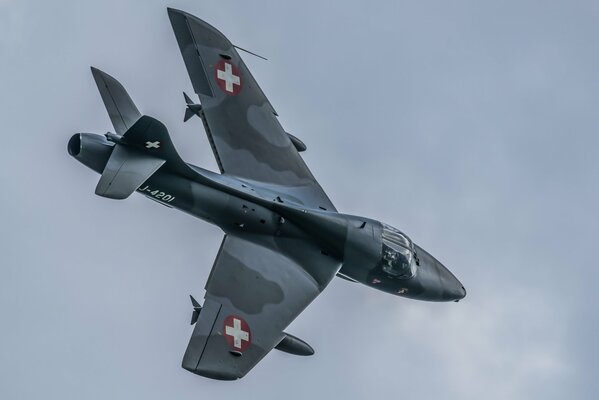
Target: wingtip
[[97, 72], [173, 11], [178, 18]]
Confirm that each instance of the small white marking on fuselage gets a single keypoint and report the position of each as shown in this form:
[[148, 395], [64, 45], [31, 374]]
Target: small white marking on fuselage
[[153, 145]]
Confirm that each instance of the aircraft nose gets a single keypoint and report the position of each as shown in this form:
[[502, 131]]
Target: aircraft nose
[[437, 280], [460, 293], [453, 287]]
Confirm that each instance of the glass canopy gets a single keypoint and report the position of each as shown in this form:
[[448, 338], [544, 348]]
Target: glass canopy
[[398, 254]]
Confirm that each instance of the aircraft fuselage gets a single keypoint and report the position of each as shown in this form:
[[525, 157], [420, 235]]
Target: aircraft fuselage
[[239, 208]]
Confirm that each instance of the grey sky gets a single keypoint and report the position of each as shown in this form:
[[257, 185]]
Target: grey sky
[[471, 125]]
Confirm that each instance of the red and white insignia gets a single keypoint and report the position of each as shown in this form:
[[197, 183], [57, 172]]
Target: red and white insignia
[[228, 77], [237, 333]]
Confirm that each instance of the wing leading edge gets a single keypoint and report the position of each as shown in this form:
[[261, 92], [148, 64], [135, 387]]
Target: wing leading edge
[[254, 292], [242, 126]]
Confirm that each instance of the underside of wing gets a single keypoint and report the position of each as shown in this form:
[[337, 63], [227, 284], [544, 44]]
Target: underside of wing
[[242, 126], [255, 290]]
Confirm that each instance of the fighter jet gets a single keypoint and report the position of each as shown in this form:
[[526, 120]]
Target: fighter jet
[[284, 241]]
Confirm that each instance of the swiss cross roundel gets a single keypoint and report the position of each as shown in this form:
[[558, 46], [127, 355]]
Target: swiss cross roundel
[[237, 333], [228, 77]]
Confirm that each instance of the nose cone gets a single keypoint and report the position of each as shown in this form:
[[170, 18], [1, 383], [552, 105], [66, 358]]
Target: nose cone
[[456, 290], [462, 293], [452, 288], [438, 283]]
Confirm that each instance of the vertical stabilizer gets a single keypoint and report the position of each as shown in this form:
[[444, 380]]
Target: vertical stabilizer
[[121, 109]]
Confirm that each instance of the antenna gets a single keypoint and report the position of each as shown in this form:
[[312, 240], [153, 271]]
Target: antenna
[[247, 51]]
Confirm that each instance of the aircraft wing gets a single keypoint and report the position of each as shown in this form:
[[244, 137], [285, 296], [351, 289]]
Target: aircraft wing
[[242, 126], [253, 293]]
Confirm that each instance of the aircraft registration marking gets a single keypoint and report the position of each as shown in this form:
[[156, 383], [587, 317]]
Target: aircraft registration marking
[[157, 194]]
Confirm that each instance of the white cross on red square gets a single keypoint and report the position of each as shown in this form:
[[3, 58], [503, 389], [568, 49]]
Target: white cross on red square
[[228, 77], [237, 333]]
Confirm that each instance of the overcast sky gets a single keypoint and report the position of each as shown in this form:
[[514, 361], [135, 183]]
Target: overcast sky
[[471, 125]]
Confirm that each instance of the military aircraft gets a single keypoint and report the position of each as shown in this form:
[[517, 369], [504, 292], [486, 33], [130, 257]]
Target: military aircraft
[[284, 240]]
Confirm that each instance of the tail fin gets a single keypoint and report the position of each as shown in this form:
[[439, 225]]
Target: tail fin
[[143, 144], [138, 154], [151, 137], [121, 109]]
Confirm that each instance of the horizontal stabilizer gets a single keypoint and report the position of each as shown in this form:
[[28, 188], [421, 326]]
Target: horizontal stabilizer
[[126, 170], [121, 109]]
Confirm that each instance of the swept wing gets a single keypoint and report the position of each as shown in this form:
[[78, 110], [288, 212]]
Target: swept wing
[[255, 290], [242, 126]]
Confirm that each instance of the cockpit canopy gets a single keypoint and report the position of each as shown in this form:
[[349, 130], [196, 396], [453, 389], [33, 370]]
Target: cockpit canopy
[[398, 254]]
